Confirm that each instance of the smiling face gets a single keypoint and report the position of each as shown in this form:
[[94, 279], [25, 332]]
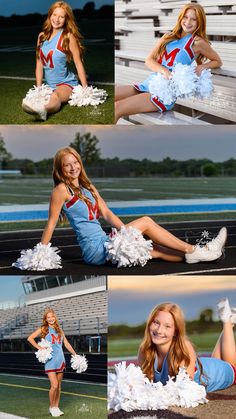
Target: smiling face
[[58, 18], [189, 22], [50, 318], [162, 329], [71, 167]]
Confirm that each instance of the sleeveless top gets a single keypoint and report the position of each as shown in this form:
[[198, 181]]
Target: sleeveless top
[[54, 63], [178, 51], [57, 362], [83, 218], [217, 374]]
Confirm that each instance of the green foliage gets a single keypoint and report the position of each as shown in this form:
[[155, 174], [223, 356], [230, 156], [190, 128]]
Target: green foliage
[[87, 147], [5, 156], [210, 169]]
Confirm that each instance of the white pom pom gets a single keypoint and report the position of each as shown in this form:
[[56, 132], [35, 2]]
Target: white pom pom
[[84, 96], [127, 247], [42, 257], [184, 80], [162, 88], [79, 363], [204, 86], [129, 389], [38, 95], [43, 355]]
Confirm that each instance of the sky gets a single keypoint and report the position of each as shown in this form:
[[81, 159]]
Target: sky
[[132, 298], [22, 7], [216, 142], [11, 291]]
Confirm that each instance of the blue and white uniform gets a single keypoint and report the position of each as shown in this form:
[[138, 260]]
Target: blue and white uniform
[[57, 362], [177, 51], [54, 63], [83, 218], [217, 374]]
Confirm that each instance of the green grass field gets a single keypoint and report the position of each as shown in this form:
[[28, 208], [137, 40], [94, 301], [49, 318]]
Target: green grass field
[[203, 342], [28, 397], [18, 63], [33, 190]]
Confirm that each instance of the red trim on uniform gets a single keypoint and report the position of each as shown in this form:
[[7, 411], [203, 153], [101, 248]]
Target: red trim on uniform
[[136, 87], [159, 104], [169, 56], [59, 44], [72, 201], [63, 365], [65, 84], [188, 48]]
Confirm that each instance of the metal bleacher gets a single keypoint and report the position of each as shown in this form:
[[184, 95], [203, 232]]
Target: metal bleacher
[[139, 25]]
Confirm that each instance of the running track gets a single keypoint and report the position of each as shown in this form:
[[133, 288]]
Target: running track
[[11, 244]]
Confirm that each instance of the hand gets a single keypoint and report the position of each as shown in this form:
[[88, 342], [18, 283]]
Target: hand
[[199, 69], [166, 73]]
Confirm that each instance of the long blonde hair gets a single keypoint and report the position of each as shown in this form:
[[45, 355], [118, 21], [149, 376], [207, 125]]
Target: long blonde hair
[[177, 30], [178, 353], [45, 326], [70, 27], [60, 177]]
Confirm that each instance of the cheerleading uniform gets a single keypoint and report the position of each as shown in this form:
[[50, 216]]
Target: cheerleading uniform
[[83, 218], [54, 63], [177, 51], [57, 362], [217, 374]]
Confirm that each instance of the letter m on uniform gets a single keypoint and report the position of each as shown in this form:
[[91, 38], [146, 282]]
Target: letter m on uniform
[[47, 59], [169, 57], [55, 339]]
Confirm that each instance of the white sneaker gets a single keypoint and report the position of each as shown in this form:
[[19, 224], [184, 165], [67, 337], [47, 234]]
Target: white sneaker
[[233, 317], [60, 411], [35, 109], [219, 241], [202, 254], [224, 310], [54, 412]]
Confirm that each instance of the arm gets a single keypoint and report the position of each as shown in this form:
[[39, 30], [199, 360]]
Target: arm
[[152, 62], [59, 196], [39, 68], [106, 213], [192, 354], [202, 47], [77, 60], [31, 338], [68, 345]]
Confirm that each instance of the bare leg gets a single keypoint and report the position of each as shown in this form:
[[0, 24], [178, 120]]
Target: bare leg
[[121, 92], [160, 252], [53, 389], [134, 104], [60, 95], [59, 379], [159, 235], [225, 348]]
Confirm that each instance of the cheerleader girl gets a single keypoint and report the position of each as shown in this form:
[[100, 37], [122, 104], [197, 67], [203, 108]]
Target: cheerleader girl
[[187, 42], [77, 198], [165, 348], [59, 43], [54, 367]]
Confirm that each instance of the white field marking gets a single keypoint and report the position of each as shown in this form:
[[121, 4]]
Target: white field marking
[[4, 415], [18, 250], [201, 271], [105, 83], [65, 380]]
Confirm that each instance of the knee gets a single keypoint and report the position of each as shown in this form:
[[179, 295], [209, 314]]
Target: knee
[[118, 109], [55, 386], [147, 219]]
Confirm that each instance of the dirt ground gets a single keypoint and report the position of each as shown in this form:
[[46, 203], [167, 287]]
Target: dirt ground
[[222, 404]]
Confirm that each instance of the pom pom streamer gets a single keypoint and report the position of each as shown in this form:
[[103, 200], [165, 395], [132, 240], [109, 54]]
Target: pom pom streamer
[[79, 363], [128, 247], [183, 83], [42, 257], [38, 95], [84, 96], [43, 355], [129, 389]]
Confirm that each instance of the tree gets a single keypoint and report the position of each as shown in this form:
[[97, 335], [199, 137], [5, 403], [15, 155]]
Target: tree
[[209, 169], [86, 145], [4, 155], [206, 316]]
